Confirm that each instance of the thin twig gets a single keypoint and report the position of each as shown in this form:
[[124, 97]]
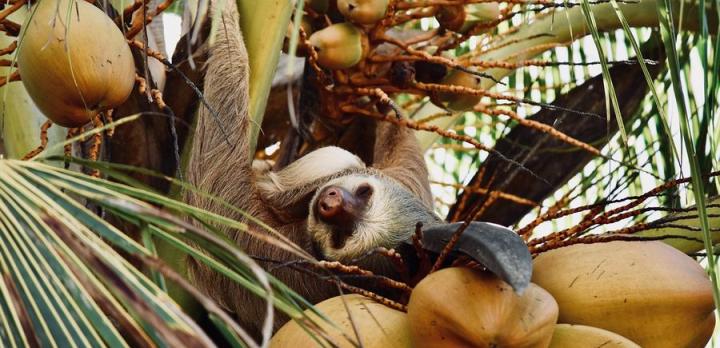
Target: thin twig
[[43, 141]]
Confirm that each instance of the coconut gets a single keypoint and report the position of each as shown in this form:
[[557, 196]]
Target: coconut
[[459, 101], [339, 46], [580, 336], [649, 292], [377, 325], [74, 61], [363, 11], [460, 307], [461, 18]]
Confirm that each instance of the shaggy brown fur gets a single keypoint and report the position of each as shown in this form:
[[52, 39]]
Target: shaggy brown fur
[[225, 171]]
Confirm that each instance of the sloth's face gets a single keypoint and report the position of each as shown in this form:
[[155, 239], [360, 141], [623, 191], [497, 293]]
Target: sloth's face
[[355, 214]]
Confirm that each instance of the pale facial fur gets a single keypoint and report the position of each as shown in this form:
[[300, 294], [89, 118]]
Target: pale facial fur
[[389, 215], [387, 221]]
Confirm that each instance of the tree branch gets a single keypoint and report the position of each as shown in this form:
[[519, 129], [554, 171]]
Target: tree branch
[[566, 161]]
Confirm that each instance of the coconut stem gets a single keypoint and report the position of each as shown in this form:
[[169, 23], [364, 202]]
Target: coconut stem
[[43, 141]]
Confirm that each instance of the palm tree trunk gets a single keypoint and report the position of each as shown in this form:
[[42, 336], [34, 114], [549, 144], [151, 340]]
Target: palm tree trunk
[[553, 162]]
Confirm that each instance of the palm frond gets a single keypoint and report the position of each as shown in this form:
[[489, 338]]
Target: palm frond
[[67, 278]]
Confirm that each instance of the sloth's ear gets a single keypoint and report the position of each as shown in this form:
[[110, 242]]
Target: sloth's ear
[[497, 248]]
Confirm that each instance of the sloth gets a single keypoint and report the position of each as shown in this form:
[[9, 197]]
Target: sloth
[[352, 208], [328, 202]]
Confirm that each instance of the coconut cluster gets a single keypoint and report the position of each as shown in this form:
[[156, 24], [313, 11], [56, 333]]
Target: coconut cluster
[[617, 294], [344, 43], [343, 33]]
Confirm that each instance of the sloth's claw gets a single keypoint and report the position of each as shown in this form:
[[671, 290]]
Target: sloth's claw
[[497, 248]]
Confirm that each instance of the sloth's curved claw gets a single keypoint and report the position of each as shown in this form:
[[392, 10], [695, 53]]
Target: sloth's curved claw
[[497, 248]]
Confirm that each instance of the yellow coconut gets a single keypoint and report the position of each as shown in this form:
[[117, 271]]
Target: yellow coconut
[[648, 292], [74, 61], [339, 46], [461, 18], [460, 101], [378, 326], [581, 336], [363, 11], [460, 307]]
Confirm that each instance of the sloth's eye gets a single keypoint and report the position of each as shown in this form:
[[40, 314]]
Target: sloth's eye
[[364, 191]]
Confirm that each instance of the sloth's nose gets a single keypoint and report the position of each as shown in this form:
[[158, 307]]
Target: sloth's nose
[[337, 206], [340, 210], [330, 203]]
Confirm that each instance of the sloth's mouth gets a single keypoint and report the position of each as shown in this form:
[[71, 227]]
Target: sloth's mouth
[[317, 251], [339, 235]]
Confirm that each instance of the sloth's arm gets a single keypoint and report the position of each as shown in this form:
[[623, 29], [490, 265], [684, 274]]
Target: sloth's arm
[[323, 162], [397, 154]]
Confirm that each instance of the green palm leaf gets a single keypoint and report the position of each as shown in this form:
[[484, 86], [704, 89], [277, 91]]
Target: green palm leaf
[[65, 283]]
